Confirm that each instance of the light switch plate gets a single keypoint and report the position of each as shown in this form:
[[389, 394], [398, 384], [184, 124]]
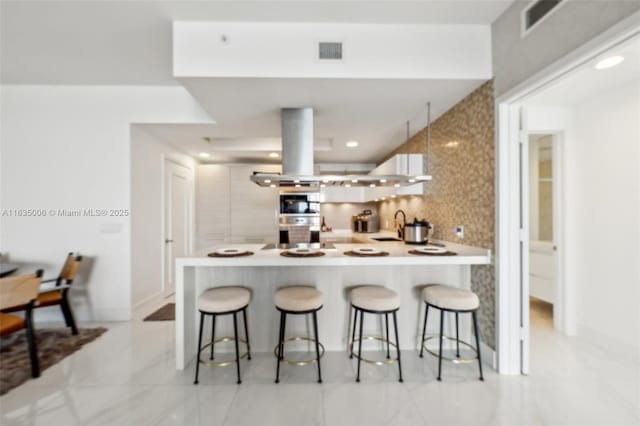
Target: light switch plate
[[460, 231]]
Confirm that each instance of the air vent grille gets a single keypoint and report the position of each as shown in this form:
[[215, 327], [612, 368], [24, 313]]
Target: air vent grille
[[329, 50], [537, 11]]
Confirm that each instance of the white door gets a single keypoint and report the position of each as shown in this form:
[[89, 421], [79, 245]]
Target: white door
[[177, 212]]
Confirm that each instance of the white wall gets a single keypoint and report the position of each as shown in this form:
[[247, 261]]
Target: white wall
[[607, 213], [599, 141], [148, 155], [68, 147]]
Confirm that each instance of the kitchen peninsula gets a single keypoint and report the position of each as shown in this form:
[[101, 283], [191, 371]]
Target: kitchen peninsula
[[334, 274]]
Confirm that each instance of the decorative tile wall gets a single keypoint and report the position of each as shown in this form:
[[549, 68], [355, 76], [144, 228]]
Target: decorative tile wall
[[462, 191]]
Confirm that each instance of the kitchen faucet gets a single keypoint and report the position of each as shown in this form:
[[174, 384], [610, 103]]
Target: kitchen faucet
[[404, 222]]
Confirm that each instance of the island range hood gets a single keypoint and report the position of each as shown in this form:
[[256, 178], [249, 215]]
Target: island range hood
[[297, 160]]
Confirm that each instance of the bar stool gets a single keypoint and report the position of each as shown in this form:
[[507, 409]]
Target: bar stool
[[379, 301], [298, 300], [223, 301], [456, 300]]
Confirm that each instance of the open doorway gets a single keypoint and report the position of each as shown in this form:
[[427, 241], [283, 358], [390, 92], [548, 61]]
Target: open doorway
[[589, 109], [543, 280]]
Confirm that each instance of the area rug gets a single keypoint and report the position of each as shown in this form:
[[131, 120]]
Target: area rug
[[166, 313], [53, 346]]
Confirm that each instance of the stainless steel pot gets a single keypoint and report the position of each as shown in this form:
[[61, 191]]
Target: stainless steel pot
[[416, 232]]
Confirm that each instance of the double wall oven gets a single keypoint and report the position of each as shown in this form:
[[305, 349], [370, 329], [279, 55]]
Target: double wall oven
[[299, 209]]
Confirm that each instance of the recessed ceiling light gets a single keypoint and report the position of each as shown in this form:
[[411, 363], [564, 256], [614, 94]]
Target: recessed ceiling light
[[204, 155], [609, 62], [348, 185], [375, 199], [451, 144], [383, 198], [322, 185], [274, 155], [325, 180], [397, 185], [298, 186], [267, 181], [354, 180], [383, 181], [423, 177], [373, 185], [296, 181], [351, 144], [393, 196], [412, 180], [273, 185]]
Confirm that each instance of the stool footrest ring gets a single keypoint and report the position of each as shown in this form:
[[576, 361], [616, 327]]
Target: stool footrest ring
[[372, 361], [223, 363], [453, 360], [303, 362]]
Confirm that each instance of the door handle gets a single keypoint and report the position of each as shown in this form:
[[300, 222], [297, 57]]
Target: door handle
[[167, 241]]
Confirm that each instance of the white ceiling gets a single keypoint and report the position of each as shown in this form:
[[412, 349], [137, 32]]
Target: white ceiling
[[587, 81], [129, 42], [373, 112]]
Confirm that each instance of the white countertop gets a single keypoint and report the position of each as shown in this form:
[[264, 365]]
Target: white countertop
[[398, 255]]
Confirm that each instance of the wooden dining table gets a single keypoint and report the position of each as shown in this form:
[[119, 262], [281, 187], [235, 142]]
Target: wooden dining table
[[8, 268]]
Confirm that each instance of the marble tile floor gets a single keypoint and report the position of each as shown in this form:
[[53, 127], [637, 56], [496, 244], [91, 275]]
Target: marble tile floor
[[127, 377]]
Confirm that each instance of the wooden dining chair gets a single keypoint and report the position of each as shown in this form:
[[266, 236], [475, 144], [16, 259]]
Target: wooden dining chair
[[58, 294], [21, 290]]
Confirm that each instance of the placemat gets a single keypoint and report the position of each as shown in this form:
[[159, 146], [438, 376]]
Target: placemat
[[446, 253], [354, 254], [214, 254], [312, 254]]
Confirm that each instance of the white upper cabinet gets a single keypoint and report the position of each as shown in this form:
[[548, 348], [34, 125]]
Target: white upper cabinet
[[399, 164], [340, 194]]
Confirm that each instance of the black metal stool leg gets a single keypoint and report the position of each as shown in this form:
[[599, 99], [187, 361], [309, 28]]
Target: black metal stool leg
[[424, 328], [475, 330], [395, 324], [213, 334], [246, 332], [315, 330], [353, 335], [199, 349], [360, 345], [31, 344], [441, 339], [280, 348], [386, 321], [457, 338], [235, 335]]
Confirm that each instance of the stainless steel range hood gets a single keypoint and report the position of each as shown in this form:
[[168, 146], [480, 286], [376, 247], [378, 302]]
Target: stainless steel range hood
[[297, 160]]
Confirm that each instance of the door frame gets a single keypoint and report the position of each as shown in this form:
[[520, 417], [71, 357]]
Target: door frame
[[190, 214], [511, 323]]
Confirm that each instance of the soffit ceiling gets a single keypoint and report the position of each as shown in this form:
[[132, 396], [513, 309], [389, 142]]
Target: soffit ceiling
[[129, 42]]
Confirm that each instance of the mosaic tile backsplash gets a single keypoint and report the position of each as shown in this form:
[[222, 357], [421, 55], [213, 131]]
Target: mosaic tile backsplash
[[462, 191]]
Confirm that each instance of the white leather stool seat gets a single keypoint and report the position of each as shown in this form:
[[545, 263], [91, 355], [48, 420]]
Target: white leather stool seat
[[446, 297], [298, 298], [375, 298], [223, 299]]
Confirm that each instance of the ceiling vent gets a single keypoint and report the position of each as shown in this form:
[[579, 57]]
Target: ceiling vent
[[330, 51], [536, 12]]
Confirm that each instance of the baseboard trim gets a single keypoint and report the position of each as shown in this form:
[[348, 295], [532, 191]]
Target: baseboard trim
[[143, 308], [489, 356]]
